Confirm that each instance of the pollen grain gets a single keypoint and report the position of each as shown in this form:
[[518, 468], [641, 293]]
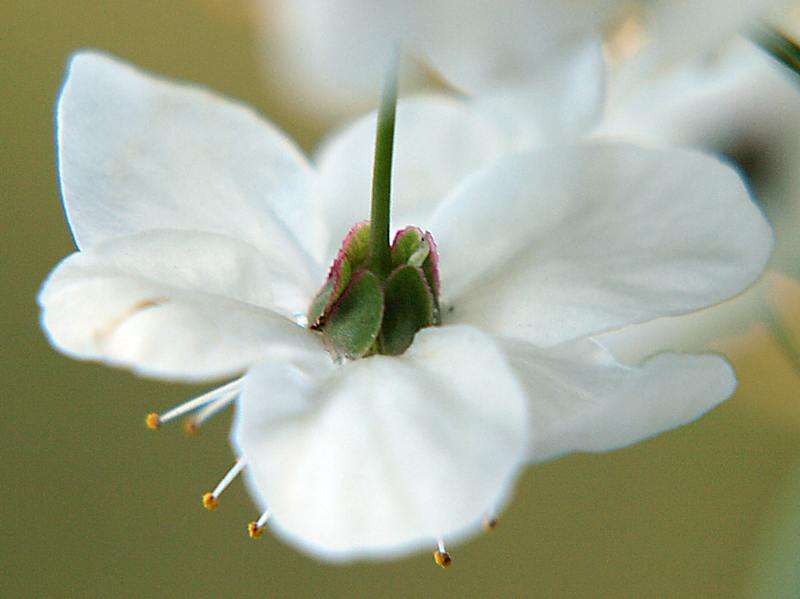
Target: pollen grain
[[210, 502], [442, 559], [254, 530], [489, 524]]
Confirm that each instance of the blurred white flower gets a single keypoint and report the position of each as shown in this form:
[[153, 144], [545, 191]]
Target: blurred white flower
[[657, 34], [738, 101], [204, 235], [734, 99], [327, 56]]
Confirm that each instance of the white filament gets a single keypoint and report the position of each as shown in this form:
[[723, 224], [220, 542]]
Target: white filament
[[228, 478], [229, 389]]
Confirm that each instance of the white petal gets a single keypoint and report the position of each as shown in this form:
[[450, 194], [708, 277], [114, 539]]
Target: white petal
[[438, 141], [741, 103], [562, 101], [697, 331], [169, 304], [684, 28], [507, 42], [738, 96], [563, 243], [478, 45], [383, 455], [582, 400], [137, 152]]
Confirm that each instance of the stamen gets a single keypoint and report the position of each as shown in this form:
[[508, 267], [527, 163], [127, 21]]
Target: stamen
[[256, 529], [490, 522], [228, 391], [193, 423], [627, 36], [211, 500], [441, 557]]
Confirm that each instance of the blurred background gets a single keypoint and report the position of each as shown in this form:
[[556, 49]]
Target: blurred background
[[95, 505]]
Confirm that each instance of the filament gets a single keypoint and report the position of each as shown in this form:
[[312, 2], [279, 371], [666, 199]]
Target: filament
[[227, 391], [195, 421], [211, 500]]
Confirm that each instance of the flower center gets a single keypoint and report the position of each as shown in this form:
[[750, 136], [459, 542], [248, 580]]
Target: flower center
[[377, 296], [361, 313]]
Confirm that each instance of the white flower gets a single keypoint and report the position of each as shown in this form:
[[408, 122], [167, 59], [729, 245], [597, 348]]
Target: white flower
[[670, 31], [204, 234], [739, 101], [735, 99], [329, 55]]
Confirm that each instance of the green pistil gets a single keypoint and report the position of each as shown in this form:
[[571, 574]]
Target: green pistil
[[380, 259]]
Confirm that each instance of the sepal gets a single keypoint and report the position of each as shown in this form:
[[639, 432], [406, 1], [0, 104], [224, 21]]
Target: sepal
[[355, 320], [408, 307], [352, 255], [416, 247]]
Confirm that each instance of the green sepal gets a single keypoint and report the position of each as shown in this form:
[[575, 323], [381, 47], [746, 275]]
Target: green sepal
[[409, 247], [321, 303], [352, 255], [409, 306], [355, 319], [355, 246], [416, 247]]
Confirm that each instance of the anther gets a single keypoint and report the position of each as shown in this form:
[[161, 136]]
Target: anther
[[218, 398], [441, 557], [256, 529], [211, 500], [153, 421], [489, 523]]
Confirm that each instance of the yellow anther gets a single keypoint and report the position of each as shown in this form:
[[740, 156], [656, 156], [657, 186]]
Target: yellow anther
[[489, 524], [442, 559], [626, 36], [210, 502], [255, 530], [190, 426], [153, 421]]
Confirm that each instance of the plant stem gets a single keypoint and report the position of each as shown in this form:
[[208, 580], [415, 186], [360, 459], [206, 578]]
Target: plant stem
[[382, 175], [783, 337], [779, 45]]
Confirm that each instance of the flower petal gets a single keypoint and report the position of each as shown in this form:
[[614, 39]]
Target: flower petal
[[562, 101], [581, 399], [345, 45], [138, 152], [729, 97], [383, 455], [740, 103], [567, 242], [438, 142], [677, 30], [169, 304]]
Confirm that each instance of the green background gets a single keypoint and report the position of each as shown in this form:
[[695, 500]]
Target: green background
[[95, 505]]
